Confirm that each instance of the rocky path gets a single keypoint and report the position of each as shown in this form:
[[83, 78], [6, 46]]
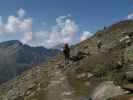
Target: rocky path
[[45, 82], [59, 87]]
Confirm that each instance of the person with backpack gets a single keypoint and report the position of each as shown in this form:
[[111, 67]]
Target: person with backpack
[[66, 52]]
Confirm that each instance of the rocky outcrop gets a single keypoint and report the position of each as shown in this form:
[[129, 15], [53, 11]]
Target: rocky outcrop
[[107, 90], [129, 72], [128, 87]]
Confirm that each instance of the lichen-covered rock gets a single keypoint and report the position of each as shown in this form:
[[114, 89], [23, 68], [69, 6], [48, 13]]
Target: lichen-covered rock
[[106, 90]]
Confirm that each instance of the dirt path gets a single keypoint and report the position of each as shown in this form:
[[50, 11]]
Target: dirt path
[[59, 87]]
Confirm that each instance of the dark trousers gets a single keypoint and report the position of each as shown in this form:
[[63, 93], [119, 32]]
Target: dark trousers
[[67, 58]]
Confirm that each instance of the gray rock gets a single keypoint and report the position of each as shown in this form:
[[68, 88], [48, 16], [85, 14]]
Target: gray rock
[[129, 75], [106, 90]]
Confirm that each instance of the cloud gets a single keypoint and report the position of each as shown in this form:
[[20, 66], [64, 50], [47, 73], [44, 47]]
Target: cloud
[[130, 16], [21, 12], [27, 37], [16, 24], [62, 32], [85, 35]]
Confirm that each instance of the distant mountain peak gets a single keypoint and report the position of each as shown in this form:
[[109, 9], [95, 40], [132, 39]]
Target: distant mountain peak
[[11, 42]]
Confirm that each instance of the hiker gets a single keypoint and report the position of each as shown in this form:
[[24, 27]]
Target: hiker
[[66, 51]]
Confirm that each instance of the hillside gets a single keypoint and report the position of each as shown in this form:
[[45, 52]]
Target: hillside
[[105, 74], [16, 58]]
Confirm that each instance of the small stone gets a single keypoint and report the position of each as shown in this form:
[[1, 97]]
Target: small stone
[[87, 83], [66, 93], [89, 75], [81, 75], [28, 92]]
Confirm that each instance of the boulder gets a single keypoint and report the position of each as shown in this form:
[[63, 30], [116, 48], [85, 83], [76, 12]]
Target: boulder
[[129, 76], [80, 55], [128, 87], [106, 90]]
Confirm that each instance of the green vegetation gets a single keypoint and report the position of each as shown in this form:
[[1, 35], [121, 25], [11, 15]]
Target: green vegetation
[[100, 70], [3, 92]]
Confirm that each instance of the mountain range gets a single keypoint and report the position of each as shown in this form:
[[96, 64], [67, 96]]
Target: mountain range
[[93, 73], [16, 57]]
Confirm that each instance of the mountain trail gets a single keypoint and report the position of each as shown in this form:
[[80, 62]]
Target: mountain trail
[[59, 87]]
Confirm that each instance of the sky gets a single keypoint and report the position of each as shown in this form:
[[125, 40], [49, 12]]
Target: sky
[[52, 22]]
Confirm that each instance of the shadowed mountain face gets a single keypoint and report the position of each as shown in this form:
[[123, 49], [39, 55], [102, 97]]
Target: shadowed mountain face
[[16, 58], [100, 74]]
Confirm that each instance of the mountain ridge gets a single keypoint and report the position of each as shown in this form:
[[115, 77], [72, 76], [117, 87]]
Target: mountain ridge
[[17, 57], [97, 74]]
